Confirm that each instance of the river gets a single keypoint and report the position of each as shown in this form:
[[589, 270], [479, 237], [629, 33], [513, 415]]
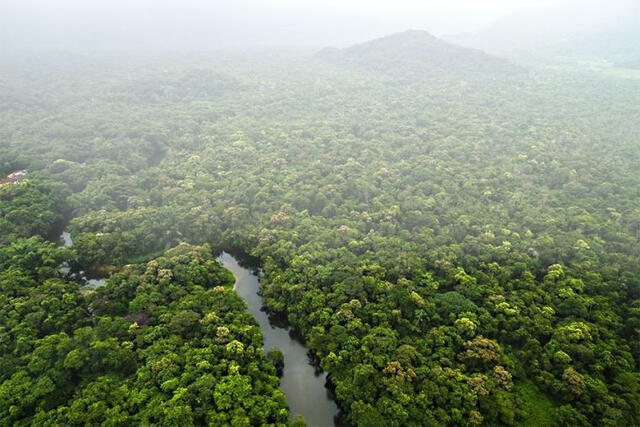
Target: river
[[304, 387]]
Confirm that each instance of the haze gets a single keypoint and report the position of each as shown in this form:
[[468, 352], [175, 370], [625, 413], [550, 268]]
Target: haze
[[219, 23], [320, 213]]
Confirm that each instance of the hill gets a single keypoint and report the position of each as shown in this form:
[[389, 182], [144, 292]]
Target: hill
[[608, 31], [416, 54], [620, 46]]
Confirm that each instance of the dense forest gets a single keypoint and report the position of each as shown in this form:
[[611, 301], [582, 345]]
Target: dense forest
[[456, 248]]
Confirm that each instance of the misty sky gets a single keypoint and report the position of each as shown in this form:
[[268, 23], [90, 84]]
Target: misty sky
[[219, 23]]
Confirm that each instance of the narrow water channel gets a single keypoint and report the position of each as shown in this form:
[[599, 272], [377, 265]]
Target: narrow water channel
[[305, 389], [81, 276]]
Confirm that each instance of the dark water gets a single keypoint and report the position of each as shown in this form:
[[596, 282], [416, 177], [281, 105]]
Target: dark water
[[305, 390]]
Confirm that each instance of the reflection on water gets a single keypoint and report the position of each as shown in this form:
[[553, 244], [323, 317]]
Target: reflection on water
[[96, 283], [80, 276], [304, 387], [66, 240]]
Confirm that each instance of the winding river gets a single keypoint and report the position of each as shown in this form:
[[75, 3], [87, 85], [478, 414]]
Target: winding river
[[304, 387]]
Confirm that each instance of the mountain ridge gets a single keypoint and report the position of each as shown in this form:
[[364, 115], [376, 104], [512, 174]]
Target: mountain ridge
[[417, 54]]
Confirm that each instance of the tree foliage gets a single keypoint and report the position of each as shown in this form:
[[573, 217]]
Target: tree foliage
[[455, 250]]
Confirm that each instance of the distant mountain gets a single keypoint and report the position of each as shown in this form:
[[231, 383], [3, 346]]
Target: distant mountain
[[607, 29], [620, 45], [416, 54]]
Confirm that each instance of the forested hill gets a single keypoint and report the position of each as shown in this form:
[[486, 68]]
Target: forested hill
[[578, 29], [620, 45], [417, 54]]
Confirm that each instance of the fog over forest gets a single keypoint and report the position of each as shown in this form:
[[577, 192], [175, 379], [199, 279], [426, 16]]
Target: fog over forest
[[203, 24], [325, 213]]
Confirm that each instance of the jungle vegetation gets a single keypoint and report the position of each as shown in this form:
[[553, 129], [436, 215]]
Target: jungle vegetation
[[456, 249]]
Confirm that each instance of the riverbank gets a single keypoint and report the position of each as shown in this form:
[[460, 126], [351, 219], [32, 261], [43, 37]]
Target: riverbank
[[303, 384]]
